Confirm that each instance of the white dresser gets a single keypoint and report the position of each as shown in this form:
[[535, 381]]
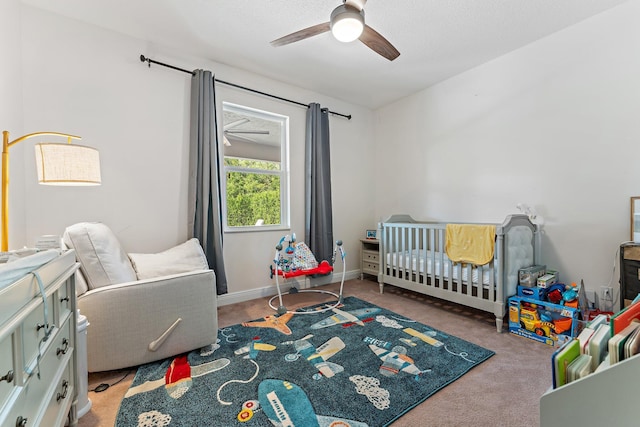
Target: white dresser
[[37, 347]]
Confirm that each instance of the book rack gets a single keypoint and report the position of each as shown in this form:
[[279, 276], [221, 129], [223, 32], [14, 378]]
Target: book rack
[[603, 397]]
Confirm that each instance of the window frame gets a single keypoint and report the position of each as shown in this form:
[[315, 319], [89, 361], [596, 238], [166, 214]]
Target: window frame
[[284, 172]]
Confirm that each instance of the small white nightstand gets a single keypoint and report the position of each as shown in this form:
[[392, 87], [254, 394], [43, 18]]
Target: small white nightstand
[[369, 257]]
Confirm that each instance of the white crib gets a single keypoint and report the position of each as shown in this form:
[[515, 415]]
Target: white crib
[[412, 256]]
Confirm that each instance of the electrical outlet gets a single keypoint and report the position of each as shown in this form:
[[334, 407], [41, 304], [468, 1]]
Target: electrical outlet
[[606, 293], [591, 297]]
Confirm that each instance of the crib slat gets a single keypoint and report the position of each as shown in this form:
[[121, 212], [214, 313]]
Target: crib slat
[[423, 256], [409, 232], [446, 272]]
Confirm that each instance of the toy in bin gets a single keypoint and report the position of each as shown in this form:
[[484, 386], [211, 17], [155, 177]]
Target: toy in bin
[[542, 321], [294, 259], [558, 293]]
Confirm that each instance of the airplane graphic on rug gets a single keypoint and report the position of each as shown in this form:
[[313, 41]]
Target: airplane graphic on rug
[[274, 322], [179, 377], [286, 404], [394, 359], [342, 317], [318, 356], [253, 348], [427, 336]]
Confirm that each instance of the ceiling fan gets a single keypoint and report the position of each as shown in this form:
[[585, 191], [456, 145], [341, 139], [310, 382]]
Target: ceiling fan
[[346, 24], [240, 133]]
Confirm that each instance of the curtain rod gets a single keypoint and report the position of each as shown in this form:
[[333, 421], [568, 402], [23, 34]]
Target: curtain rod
[[149, 61]]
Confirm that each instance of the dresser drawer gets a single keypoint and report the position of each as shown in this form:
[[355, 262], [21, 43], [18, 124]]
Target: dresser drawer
[[54, 367], [370, 256], [17, 409], [6, 369], [33, 330], [62, 301], [56, 412], [370, 267], [59, 345], [29, 402]]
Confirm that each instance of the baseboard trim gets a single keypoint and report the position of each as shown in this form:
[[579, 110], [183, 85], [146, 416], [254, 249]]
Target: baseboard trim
[[268, 291]]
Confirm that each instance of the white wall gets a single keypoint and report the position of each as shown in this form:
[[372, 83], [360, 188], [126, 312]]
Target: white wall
[[553, 125], [11, 109], [88, 81]]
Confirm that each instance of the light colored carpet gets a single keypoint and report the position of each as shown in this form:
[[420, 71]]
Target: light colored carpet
[[503, 391]]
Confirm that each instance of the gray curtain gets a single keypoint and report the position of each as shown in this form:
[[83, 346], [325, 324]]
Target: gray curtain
[[205, 207], [318, 207]]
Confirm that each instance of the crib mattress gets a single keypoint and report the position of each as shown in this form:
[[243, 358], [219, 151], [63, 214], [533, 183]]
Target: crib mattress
[[416, 264]]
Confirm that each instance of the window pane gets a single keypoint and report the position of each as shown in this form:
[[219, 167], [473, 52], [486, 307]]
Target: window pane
[[256, 168], [252, 199]]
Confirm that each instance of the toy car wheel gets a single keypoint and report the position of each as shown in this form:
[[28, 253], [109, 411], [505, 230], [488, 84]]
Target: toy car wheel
[[540, 332]]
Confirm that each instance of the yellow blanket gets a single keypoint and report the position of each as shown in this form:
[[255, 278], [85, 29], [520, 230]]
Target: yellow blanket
[[470, 243]]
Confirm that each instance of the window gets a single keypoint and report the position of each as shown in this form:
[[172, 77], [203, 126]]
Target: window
[[256, 169]]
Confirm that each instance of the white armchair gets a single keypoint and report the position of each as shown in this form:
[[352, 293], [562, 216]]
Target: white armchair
[[141, 307]]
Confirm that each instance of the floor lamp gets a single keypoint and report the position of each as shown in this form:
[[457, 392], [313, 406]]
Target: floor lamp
[[57, 164]]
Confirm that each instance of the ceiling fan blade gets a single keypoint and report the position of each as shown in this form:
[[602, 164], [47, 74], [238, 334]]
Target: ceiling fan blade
[[255, 132], [302, 34], [379, 44], [236, 123], [236, 137]]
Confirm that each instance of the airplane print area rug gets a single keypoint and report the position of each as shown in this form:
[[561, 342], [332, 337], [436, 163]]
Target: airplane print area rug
[[357, 365]]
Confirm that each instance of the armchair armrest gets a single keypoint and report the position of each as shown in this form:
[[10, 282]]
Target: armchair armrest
[[124, 319]]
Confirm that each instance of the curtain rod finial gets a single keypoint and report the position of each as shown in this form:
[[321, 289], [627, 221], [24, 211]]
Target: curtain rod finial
[[144, 59]]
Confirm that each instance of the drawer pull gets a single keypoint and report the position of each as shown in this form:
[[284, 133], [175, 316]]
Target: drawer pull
[[41, 326], [21, 422], [65, 387], [8, 378], [65, 299], [60, 351]]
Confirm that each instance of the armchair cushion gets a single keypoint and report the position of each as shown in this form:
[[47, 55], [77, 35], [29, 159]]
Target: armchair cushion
[[102, 260], [183, 258]]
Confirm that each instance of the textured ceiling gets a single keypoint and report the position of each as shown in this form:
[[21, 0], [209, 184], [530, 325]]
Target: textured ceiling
[[437, 39]]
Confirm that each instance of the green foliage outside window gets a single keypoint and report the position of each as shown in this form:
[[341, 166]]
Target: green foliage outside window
[[253, 193]]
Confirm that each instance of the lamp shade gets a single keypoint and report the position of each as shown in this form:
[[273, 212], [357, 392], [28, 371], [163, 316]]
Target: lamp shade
[[347, 23], [67, 164]]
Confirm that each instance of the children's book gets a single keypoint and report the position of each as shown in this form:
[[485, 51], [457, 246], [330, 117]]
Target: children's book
[[617, 342], [598, 320], [622, 319], [632, 346], [585, 335], [580, 367], [560, 361], [598, 345], [584, 370], [584, 338]]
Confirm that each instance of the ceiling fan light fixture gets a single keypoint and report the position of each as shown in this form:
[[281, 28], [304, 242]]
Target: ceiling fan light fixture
[[347, 23]]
